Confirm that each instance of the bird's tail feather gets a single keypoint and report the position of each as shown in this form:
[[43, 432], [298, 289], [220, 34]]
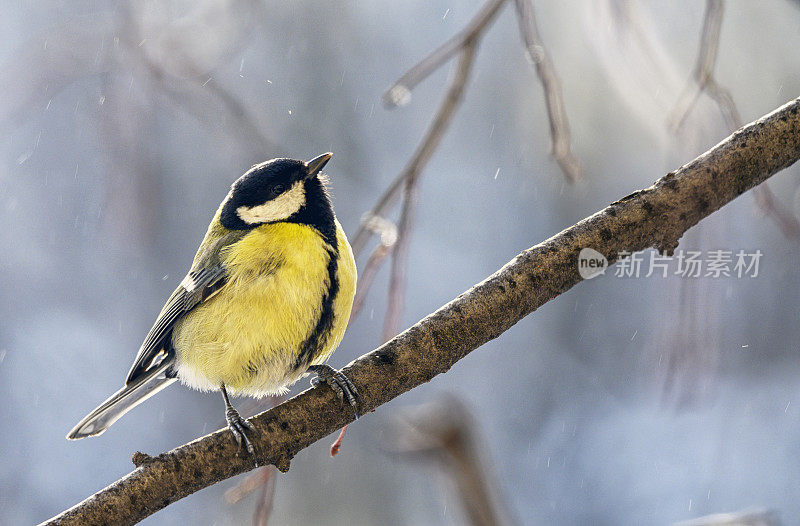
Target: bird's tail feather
[[148, 384]]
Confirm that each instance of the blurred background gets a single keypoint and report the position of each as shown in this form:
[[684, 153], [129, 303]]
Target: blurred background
[[623, 401]]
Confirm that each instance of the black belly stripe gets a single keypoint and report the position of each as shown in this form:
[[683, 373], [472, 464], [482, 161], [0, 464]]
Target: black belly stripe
[[315, 343]]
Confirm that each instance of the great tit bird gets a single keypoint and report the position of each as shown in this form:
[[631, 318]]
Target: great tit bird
[[266, 300]]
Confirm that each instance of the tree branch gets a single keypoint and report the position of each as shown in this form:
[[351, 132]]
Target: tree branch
[[466, 41], [444, 432], [400, 92], [705, 82], [411, 174], [553, 97], [655, 217], [367, 274]]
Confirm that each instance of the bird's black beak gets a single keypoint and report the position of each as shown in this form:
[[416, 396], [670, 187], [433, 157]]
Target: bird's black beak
[[315, 165]]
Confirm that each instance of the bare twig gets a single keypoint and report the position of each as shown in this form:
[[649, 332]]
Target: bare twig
[[388, 237], [247, 486], [749, 517], [337, 444], [83, 47], [384, 203], [466, 41], [445, 432], [400, 92], [266, 498], [412, 171], [367, 275], [703, 73], [557, 115], [654, 217], [690, 356], [200, 99], [705, 82], [264, 477], [785, 219]]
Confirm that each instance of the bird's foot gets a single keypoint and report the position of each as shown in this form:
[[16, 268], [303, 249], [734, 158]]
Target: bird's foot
[[337, 381], [239, 427]]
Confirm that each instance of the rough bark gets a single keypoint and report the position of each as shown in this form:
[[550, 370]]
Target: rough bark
[[654, 217]]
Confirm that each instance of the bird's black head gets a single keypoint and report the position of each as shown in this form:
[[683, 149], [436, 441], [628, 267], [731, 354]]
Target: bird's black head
[[280, 190]]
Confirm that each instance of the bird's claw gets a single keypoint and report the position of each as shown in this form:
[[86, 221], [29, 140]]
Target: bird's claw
[[337, 381], [238, 427]]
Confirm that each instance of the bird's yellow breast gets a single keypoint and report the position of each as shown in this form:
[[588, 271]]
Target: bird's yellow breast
[[250, 334]]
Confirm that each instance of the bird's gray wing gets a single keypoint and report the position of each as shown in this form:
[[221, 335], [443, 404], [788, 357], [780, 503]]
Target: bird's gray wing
[[208, 276]]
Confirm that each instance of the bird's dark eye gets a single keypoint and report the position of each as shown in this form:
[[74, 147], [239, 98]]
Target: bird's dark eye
[[277, 189]]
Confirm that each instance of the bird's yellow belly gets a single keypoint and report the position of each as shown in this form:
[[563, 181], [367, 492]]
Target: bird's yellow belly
[[250, 334]]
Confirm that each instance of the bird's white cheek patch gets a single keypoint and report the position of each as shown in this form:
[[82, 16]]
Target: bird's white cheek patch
[[277, 209]]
